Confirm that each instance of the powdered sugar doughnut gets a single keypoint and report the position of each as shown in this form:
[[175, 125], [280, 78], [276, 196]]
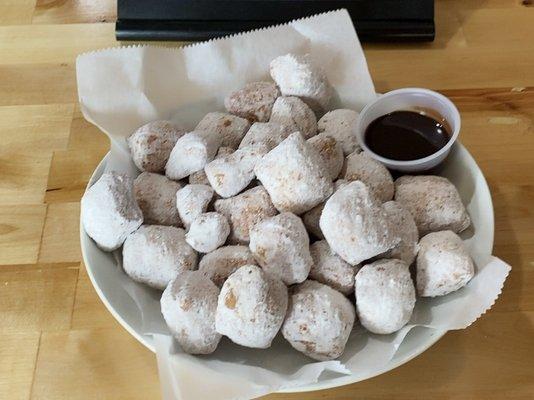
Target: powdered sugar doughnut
[[355, 225], [191, 153], [188, 306], [294, 175], [229, 128], [295, 116], [330, 151], [311, 218], [251, 307], [434, 203], [191, 201], [385, 296], [199, 177], [152, 143], [230, 174], [254, 102], [406, 230], [318, 321], [296, 76], [156, 196], [340, 124], [155, 254], [443, 264], [269, 134], [330, 269], [244, 211], [109, 211], [280, 244], [207, 232], [223, 262], [361, 167]]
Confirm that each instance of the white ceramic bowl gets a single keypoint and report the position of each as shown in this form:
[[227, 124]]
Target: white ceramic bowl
[[459, 167], [410, 99]]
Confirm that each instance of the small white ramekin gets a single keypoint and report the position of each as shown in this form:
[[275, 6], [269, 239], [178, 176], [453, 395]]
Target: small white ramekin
[[405, 100]]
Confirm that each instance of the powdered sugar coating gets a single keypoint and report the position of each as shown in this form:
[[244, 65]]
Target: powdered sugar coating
[[443, 264], [244, 211], [199, 177], [294, 175], [191, 153], [223, 262], [156, 254], [311, 218], [156, 196], [297, 76], [280, 244], [434, 203], [355, 225], [251, 307], [330, 151], [341, 125], [253, 102], [269, 134], [230, 129], [319, 321], [191, 201], [207, 232], [109, 210], [361, 167], [188, 306], [295, 116], [230, 174], [406, 230], [385, 296], [330, 269], [151, 144]]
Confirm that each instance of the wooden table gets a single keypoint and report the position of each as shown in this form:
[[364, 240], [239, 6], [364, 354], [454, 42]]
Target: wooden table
[[57, 341]]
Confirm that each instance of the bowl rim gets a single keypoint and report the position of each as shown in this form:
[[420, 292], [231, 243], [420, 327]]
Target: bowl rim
[[395, 362]]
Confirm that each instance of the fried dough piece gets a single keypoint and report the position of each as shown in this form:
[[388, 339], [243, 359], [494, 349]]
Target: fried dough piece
[[318, 321], [109, 210], [251, 307]]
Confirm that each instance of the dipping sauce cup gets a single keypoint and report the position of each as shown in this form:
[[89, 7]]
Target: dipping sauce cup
[[425, 101]]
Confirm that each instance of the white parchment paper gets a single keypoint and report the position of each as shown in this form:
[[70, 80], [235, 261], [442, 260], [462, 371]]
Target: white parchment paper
[[123, 88]]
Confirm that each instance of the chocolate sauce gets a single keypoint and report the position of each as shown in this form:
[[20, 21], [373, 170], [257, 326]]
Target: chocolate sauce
[[406, 135]]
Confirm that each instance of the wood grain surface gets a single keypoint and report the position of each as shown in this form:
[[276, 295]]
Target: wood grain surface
[[57, 341]]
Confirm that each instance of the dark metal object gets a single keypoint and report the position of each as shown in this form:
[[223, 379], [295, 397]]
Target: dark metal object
[[375, 20]]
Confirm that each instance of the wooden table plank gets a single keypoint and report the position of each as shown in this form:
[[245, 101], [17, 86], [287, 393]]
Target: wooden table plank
[[37, 298], [52, 43], [94, 364], [69, 172], [71, 169], [86, 136], [46, 127], [21, 228], [74, 11], [16, 12], [24, 176], [18, 353], [28, 84], [28, 135], [60, 241]]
